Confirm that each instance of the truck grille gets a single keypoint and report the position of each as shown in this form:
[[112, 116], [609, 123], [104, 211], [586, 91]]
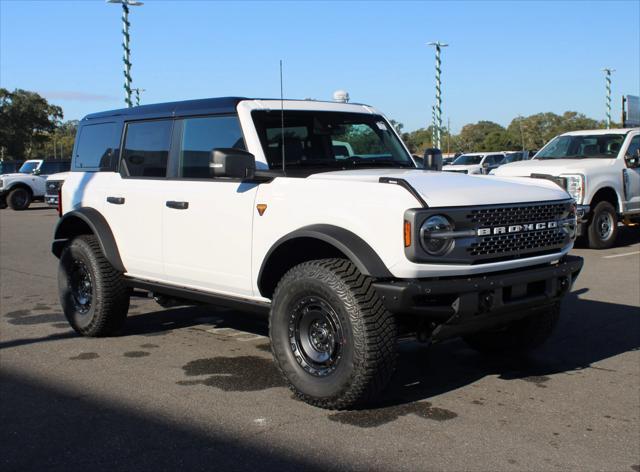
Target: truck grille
[[517, 214], [503, 244], [53, 186]]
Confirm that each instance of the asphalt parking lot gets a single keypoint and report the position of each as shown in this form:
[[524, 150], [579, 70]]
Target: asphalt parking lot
[[195, 387]]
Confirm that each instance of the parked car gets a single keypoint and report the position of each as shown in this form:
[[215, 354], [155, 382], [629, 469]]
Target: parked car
[[52, 188], [475, 163], [600, 170], [18, 190], [239, 202]]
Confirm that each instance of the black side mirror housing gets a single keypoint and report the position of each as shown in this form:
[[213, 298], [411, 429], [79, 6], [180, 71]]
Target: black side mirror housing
[[633, 161], [432, 159], [232, 163]]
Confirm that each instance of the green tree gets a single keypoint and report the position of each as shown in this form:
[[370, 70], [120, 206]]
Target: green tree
[[27, 120], [472, 136]]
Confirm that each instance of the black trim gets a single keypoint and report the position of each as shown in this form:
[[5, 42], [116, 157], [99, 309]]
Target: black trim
[[350, 244], [406, 185], [175, 291], [464, 304], [65, 230]]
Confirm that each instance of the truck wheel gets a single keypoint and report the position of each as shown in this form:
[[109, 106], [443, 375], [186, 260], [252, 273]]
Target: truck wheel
[[93, 294], [331, 336], [19, 199], [603, 228], [517, 337]]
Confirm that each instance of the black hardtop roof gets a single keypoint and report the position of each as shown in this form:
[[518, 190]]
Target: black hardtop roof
[[182, 108]]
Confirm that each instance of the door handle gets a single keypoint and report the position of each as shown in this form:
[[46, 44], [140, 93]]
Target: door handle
[[177, 205], [116, 200]]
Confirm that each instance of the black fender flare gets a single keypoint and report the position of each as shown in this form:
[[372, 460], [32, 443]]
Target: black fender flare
[[68, 227], [350, 244]]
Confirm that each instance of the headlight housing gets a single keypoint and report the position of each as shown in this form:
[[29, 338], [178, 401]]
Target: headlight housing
[[433, 235], [575, 185]]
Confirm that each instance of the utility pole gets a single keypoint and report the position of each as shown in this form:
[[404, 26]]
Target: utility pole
[[433, 126], [126, 58], [438, 45], [607, 71], [448, 135], [138, 91]]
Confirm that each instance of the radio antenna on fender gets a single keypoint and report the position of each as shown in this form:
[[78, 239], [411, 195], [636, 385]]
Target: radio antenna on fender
[[282, 118]]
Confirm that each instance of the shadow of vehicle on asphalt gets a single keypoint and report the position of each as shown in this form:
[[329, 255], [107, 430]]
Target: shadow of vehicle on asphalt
[[588, 332]]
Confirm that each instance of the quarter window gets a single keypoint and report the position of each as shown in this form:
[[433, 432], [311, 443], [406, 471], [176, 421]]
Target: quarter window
[[200, 136], [96, 146], [146, 148]]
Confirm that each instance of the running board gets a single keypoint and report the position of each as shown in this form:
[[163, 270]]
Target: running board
[[228, 301]]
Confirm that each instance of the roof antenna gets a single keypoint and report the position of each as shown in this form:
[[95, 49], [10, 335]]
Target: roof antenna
[[282, 118]]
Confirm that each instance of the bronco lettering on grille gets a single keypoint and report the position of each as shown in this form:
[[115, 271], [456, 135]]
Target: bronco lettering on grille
[[516, 228]]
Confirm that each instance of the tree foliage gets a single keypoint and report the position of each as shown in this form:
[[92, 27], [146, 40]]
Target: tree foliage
[[27, 121]]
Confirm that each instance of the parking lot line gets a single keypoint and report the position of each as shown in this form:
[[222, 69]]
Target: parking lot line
[[621, 255]]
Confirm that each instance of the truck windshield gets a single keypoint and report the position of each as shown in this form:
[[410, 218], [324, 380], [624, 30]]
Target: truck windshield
[[329, 139], [28, 167], [467, 160], [598, 146]]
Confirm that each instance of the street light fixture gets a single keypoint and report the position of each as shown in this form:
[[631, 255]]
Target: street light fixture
[[438, 45], [125, 45]]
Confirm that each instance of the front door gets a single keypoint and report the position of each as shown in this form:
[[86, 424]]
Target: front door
[[207, 223], [632, 178]]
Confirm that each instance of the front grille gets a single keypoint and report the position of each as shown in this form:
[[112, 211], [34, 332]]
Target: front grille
[[515, 215], [502, 244], [53, 186]]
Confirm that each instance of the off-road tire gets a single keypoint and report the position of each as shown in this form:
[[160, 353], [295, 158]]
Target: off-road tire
[[594, 234], [369, 334], [519, 336], [109, 303], [19, 199]]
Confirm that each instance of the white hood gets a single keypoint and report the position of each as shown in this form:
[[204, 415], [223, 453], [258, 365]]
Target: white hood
[[440, 189], [552, 167]]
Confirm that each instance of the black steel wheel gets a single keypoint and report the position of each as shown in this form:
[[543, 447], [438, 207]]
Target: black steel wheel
[[331, 336], [93, 295], [19, 199]]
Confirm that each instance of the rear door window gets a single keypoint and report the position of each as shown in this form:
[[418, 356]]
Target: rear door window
[[146, 148]]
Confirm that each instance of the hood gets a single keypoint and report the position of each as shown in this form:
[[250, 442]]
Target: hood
[[459, 167], [552, 166], [440, 189], [58, 176]]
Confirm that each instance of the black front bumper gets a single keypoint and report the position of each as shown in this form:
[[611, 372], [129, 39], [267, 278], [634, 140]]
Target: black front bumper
[[459, 305]]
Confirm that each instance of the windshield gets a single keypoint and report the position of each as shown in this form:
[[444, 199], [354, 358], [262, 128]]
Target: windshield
[[581, 147], [329, 139], [468, 159], [28, 167]]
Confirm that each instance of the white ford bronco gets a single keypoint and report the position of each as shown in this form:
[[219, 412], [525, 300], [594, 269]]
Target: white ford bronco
[[19, 189], [600, 169], [315, 213]]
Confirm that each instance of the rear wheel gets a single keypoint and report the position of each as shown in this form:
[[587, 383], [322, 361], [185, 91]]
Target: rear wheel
[[519, 336], [603, 228], [331, 336], [93, 294], [19, 199]]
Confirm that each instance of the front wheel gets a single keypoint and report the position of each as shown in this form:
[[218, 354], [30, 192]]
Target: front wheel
[[92, 292], [331, 336], [519, 336], [603, 228], [19, 199]]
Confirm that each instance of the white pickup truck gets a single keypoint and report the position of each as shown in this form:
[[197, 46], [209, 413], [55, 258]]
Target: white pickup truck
[[600, 169]]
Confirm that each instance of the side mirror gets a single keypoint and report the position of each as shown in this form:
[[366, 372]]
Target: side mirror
[[432, 159], [485, 165], [633, 161], [36, 171], [232, 163]]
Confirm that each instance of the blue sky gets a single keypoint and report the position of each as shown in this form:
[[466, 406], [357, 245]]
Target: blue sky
[[505, 58]]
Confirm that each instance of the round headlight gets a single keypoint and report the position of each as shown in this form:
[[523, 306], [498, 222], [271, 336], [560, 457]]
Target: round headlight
[[432, 242]]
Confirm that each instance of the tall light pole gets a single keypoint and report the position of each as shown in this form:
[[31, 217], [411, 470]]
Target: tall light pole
[[607, 74], [138, 91], [438, 45], [126, 58]]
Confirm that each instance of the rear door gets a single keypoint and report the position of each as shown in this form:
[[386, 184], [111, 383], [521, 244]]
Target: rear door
[[135, 198], [207, 222]]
